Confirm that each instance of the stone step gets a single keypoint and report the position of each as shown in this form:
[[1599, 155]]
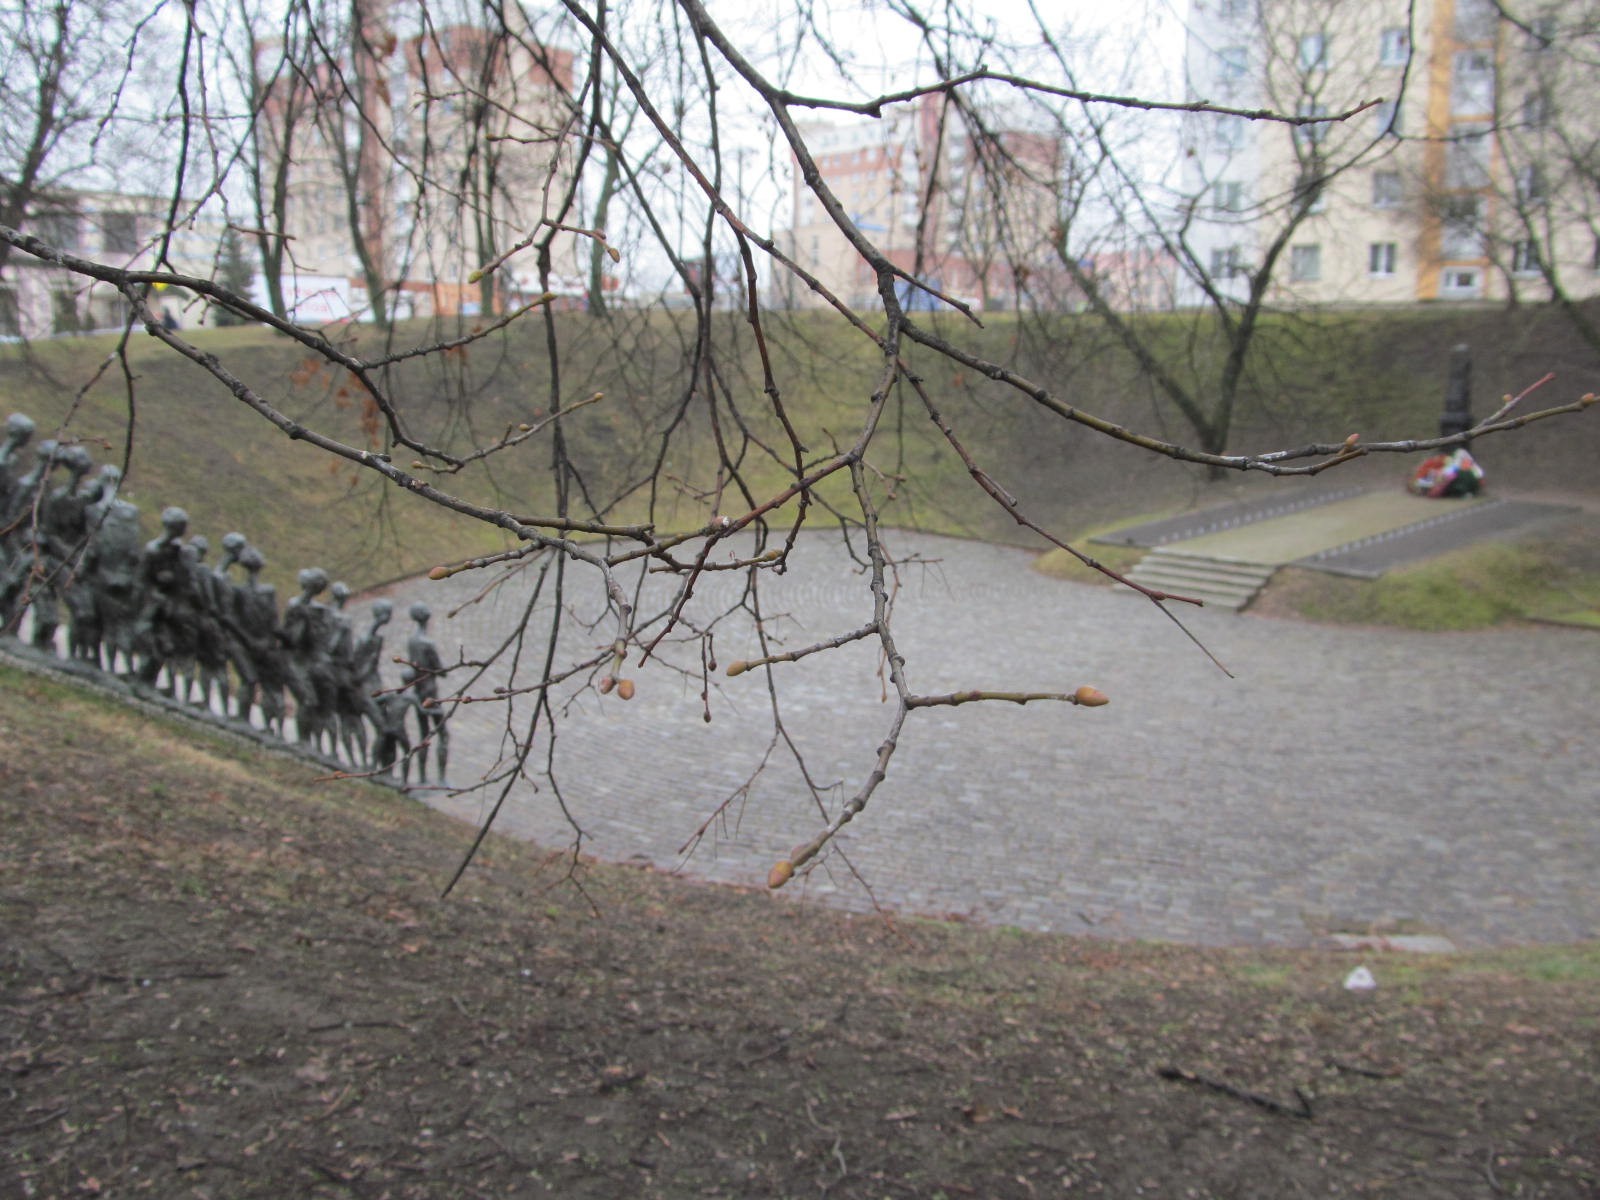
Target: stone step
[[1211, 568], [1220, 583]]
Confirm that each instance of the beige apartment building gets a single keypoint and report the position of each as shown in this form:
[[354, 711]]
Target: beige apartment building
[[413, 162], [971, 220], [1466, 179]]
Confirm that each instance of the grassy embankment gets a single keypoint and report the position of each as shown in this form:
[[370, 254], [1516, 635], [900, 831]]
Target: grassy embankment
[[1377, 374]]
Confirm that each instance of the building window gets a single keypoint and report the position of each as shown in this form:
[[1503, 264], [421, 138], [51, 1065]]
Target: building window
[[1525, 257], [1386, 190], [1530, 186], [1228, 196], [120, 233], [1466, 163], [1312, 135], [1394, 47], [1386, 119], [1226, 263], [1475, 19], [1381, 258], [1305, 263], [1229, 132], [1462, 233], [1311, 190], [60, 229], [1472, 83], [1536, 109], [1314, 52], [1460, 283]]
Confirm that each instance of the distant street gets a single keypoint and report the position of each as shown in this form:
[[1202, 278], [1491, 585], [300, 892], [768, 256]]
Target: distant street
[[1347, 779]]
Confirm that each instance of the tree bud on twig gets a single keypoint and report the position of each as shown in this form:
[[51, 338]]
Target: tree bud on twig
[[782, 871], [440, 573], [625, 688], [607, 684], [1090, 697], [738, 667]]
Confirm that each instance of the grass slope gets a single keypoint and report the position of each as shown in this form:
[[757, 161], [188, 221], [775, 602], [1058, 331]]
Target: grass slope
[[1379, 374], [223, 978]]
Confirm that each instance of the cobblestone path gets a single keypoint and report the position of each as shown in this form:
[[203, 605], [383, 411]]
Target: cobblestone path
[[1346, 779]]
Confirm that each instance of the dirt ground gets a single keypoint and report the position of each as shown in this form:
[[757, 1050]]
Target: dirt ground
[[221, 979]]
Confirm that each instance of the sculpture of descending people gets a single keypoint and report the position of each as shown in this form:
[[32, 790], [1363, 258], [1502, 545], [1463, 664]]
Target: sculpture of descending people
[[155, 611]]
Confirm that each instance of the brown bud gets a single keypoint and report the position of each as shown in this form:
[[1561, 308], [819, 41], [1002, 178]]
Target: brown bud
[[625, 688], [440, 573], [782, 871], [523, 427], [607, 684], [1090, 697], [738, 667]]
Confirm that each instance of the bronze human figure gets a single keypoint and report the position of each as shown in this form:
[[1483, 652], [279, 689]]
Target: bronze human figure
[[111, 571], [164, 631], [308, 630], [255, 622], [352, 708], [392, 745], [424, 658]]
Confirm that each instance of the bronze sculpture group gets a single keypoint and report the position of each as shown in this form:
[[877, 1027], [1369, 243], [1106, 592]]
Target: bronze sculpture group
[[158, 614]]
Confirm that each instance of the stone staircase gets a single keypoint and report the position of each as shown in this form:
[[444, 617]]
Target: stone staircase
[[1220, 582]]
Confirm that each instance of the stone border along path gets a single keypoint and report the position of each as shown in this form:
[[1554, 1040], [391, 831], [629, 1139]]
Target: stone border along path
[[1347, 780]]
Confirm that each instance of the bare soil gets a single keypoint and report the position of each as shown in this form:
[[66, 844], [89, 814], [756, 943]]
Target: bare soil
[[220, 978]]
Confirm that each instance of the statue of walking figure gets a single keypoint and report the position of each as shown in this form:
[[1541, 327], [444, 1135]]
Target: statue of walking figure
[[365, 659], [19, 432], [424, 658], [211, 650], [255, 624], [392, 745], [164, 631], [111, 569], [353, 705], [308, 630]]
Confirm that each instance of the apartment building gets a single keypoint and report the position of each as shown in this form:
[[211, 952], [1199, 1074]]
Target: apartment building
[[1459, 184], [39, 300], [412, 162], [971, 218]]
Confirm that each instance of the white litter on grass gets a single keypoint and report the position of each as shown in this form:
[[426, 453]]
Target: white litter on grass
[[1359, 980]]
